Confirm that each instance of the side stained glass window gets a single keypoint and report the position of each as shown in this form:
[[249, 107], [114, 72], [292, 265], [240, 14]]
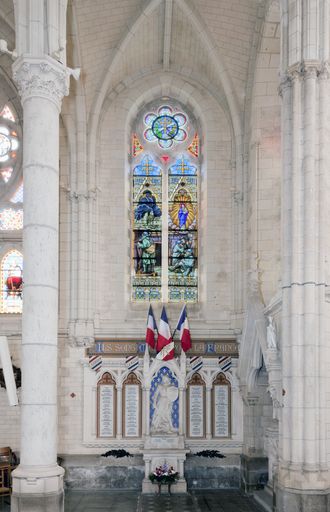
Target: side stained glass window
[[182, 231], [11, 282], [165, 184], [147, 230], [11, 186]]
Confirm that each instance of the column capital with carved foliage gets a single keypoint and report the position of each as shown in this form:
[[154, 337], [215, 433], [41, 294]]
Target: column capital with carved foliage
[[42, 77]]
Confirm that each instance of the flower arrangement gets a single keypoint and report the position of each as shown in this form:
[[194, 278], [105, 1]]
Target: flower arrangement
[[164, 474]]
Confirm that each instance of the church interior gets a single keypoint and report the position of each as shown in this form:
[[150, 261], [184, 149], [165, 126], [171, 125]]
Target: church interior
[[164, 250]]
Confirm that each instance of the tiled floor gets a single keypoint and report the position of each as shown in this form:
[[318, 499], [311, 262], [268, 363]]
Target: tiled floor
[[222, 501]]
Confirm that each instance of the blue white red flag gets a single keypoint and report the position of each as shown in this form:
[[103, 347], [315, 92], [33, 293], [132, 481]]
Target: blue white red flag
[[151, 329], [183, 328], [225, 363], [95, 362], [165, 344]]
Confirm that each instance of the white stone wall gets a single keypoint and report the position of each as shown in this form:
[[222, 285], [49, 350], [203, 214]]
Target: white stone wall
[[264, 186], [112, 295], [122, 69]]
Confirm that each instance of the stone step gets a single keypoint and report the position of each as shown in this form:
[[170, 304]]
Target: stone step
[[264, 498]]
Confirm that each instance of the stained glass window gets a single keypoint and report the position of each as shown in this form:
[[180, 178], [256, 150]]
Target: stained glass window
[[165, 126], [11, 219], [165, 174], [182, 232], [147, 230], [7, 113], [11, 215], [11, 282], [17, 197]]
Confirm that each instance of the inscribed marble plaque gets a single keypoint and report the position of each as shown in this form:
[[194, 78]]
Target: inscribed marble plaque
[[106, 410], [196, 411], [221, 417], [132, 410]]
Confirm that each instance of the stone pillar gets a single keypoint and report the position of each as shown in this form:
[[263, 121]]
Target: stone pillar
[[303, 477], [147, 411], [38, 480], [181, 411]]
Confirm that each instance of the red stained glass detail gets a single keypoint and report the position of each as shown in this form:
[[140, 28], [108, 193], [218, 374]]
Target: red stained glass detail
[[137, 147], [165, 158], [194, 146]]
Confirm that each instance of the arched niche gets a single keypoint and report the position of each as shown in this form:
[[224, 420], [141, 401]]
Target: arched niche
[[196, 407], [221, 407], [106, 406], [132, 407]]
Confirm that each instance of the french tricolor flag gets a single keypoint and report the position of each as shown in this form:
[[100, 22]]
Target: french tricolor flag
[[184, 331], [165, 344], [151, 329]]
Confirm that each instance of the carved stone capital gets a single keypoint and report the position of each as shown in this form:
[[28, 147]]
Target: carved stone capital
[[324, 73], [41, 77], [311, 68], [285, 84]]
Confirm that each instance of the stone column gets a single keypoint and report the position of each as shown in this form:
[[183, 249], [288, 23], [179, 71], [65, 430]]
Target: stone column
[[303, 477], [38, 481], [147, 411], [181, 411]]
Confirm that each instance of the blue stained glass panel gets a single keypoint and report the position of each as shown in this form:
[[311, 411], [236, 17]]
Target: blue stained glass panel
[[147, 167]]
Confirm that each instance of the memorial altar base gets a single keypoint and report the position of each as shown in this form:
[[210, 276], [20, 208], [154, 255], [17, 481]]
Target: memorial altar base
[[169, 449]]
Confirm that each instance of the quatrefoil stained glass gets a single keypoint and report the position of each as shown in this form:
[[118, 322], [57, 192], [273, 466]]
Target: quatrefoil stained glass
[[165, 126]]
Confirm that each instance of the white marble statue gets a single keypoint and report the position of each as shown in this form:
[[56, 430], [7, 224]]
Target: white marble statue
[[271, 333], [164, 397]]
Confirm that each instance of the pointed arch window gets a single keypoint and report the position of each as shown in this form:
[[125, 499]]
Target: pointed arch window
[[165, 174], [11, 282]]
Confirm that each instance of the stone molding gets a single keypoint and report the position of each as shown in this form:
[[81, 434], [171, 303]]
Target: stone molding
[[41, 77], [38, 479]]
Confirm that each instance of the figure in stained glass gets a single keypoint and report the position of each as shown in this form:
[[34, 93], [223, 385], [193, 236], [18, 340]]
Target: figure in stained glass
[[183, 260], [182, 215], [182, 211], [147, 208], [147, 252]]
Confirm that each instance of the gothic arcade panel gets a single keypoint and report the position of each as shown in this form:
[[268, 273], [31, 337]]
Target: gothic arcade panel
[[221, 407], [131, 413], [196, 407], [106, 406]]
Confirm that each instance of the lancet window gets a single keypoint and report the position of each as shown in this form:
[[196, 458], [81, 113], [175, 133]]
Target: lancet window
[[165, 185]]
